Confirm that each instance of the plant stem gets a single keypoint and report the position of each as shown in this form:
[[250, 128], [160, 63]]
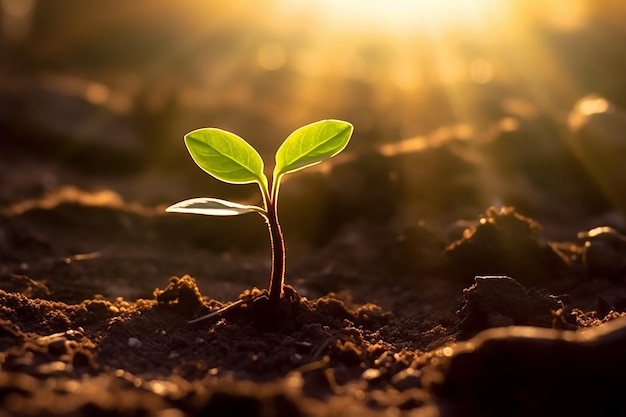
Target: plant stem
[[277, 243]]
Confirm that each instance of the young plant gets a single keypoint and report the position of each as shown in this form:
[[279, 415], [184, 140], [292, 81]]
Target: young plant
[[231, 159]]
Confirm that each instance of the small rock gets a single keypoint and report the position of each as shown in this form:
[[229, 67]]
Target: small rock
[[133, 342]]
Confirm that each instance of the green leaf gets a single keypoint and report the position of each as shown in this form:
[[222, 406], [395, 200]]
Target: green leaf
[[225, 156], [311, 144], [213, 207]]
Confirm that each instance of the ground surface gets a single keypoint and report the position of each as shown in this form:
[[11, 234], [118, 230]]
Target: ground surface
[[383, 315]]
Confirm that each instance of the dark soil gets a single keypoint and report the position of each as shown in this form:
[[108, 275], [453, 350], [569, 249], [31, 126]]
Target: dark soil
[[407, 295], [464, 256]]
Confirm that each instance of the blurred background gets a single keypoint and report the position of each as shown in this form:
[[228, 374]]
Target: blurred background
[[112, 86], [458, 106]]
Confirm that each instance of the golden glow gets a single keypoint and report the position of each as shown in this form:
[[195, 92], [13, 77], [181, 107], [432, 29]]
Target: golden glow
[[566, 15], [409, 74], [97, 93], [481, 71], [431, 61], [594, 106], [271, 56], [401, 16], [587, 106]]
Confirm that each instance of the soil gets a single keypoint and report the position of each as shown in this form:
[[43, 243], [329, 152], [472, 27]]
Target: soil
[[447, 279], [464, 256]]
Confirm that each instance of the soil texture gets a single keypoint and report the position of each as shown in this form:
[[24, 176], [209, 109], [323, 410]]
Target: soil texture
[[411, 290]]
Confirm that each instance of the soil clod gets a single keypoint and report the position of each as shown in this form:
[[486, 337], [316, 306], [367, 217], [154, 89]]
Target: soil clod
[[500, 301]]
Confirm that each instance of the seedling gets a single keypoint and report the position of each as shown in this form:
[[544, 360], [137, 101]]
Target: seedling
[[231, 159]]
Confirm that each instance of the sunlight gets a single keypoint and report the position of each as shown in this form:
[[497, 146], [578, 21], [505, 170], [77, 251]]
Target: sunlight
[[402, 16]]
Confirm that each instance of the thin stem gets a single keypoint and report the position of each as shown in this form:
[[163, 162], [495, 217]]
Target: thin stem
[[277, 243]]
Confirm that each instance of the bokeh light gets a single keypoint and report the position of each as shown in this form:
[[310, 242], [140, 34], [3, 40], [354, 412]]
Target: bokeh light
[[406, 73]]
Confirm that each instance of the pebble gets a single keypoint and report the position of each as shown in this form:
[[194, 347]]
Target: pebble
[[133, 342]]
